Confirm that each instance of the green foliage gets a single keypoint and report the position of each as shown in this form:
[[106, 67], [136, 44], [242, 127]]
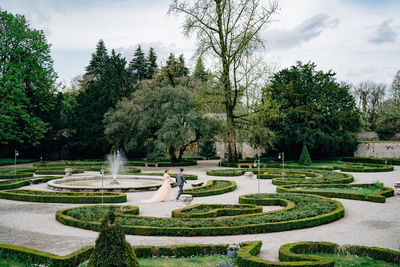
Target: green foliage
[[301, 211], [213, 187], [111, 249], [215, 210], [27, 82], [391, 161], [200, 71], [320, 112], [138, 67], [207, 148], [305, 158], [389, 119]]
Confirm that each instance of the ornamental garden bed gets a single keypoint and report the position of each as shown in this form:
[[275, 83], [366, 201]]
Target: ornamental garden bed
[[367, 192], [215, 210], [213, 187], [23, 181], [62, 197], [301, 211]]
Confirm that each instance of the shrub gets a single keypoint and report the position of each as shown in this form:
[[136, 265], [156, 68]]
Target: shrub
[[305, 158], [390, 161], [111, 249], [213, 187]]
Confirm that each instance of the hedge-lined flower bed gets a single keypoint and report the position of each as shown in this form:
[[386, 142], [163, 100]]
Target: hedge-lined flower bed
[[362, 167], [213, 187], [215, 210], [9, 173], [173, 175], [297, 254], [319, 177], [24, 181], [62, 197], [385, 161], [301, 211], [162, 162], [340, 191]]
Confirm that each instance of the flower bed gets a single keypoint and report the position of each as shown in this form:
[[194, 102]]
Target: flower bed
[[391, 161], [215, 210], [24, 181], [62, 197], [301, 211], [213, 187]]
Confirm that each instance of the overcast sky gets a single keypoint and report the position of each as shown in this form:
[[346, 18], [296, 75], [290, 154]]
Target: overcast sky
[[357, 39]]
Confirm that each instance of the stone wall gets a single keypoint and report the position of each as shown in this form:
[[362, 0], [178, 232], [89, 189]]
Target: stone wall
[[244, 150], [378, 150]]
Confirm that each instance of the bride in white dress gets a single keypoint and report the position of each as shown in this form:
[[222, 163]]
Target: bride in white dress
[[164, 193]]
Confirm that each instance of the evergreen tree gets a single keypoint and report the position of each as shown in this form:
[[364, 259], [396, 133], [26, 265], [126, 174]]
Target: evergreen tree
[[174, 69], [200, 72], [111, 249], [396, 87], [98, 61], [151, 64], [305, 158], [138, 67], [183, 71]]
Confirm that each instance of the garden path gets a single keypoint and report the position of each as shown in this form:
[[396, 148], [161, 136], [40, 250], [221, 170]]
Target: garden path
[[365, 223]]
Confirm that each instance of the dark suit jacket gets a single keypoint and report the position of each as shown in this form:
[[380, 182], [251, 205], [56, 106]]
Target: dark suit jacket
[[180, 179]]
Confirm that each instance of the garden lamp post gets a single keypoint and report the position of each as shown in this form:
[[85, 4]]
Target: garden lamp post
[[282, 156], [102, 188], [219, 156], [15, 161], [257, 165]]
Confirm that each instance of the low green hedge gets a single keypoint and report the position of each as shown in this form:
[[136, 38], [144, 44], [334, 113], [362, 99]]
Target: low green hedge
[[295, 254], [173, 175], [385, 161], [246, 257], [62, 197], [301, 211], [215, 210], [213, 187], [358, 167], [226, 172], [36, 257], [17, 183], [11, 174], [380, 197], [11, 161], [162, 163], [320, 177]]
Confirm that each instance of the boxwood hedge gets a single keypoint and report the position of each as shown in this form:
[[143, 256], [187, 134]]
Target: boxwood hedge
[[213, 187], [62, 197], [301, 211], [24, 181], [390, 161], [313, 189], [215, 210]]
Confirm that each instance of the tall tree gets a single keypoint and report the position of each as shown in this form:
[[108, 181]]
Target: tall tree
[[396, 87], [200, 71], [138, 67], [27, 77], [151, 64], [228, 30], [320, 112], [98, 61], [174, 69]]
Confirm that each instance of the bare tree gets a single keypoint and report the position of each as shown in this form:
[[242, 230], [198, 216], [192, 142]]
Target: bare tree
[[228, 30]]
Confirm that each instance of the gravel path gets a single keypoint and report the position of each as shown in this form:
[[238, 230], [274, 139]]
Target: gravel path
[[365, 223]]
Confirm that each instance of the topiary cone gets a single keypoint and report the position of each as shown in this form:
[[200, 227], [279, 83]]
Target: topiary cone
[[111, 249], [305, 158]]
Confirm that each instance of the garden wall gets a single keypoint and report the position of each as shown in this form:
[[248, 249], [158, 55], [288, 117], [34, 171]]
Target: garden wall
[[378, 150]]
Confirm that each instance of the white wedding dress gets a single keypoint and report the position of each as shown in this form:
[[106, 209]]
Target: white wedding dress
[[164, 193]]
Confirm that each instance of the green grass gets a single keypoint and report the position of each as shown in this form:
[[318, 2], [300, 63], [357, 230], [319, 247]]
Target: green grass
[[196, 261], [344, 260], [12, 263], [367, 191]]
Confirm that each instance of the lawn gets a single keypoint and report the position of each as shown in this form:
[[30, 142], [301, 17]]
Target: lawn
[[344, 260]]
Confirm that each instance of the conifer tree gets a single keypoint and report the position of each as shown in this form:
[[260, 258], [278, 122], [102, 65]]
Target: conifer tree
[[151, 63], [305, 158], [111, 249], [200, 71], [99, 60], [138, 69]]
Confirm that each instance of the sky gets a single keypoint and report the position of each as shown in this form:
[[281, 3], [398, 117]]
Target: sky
[[359, 40]]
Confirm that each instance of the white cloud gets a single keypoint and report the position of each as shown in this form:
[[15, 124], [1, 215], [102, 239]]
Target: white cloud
[[384, 33]]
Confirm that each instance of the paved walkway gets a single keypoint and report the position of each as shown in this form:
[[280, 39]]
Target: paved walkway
[[365, 223]]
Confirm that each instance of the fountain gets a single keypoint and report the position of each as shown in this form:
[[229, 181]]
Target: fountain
[[116, 162]]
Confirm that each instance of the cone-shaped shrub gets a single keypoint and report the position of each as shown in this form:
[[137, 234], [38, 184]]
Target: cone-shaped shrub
[[305, 158], [111, 248]]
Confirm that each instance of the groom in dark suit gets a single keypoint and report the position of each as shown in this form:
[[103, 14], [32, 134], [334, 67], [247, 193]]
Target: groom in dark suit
[[180, 180]]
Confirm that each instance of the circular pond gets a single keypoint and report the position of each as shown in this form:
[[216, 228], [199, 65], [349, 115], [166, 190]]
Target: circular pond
[[125, 183]]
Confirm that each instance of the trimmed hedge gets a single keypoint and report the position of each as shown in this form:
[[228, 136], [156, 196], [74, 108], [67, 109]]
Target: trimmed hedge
[[226, 172], [213, 187], [380, 197], [320, 177], [162, 163], [215, 210], [390, 161], [360, 167], [36, 257], [62, 197], [294, 254], [173, 175], [248, 250], [20, 182], [301, 211], [32, 256]]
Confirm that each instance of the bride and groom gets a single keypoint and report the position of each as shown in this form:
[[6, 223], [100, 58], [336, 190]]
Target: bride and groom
[[164, 193]]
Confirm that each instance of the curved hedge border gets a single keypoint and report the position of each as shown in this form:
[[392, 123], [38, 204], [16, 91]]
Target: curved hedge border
[[362, 167], [36, 257], [293, 254], [215, 210], [20, 182], [308, 211], [62, 197], [213, 187], [162, 163], [173, 175], [226, 172], [321, 177], [32, 256], [391, 161], [380, 197]]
